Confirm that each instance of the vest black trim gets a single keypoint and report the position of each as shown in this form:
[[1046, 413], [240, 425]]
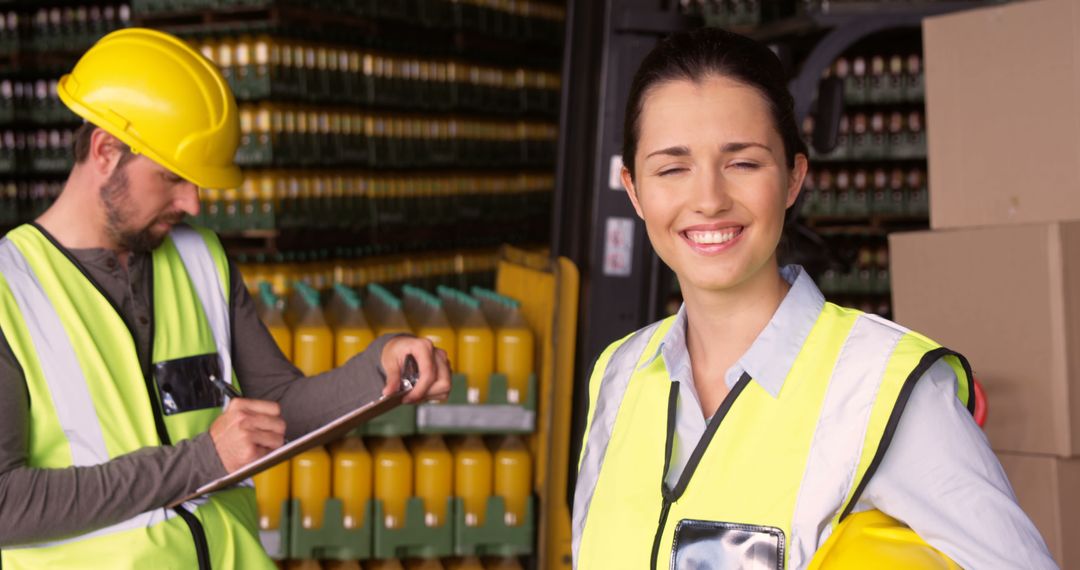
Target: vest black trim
[[202, 548], [925, 363], [672, 495], [669, 443]]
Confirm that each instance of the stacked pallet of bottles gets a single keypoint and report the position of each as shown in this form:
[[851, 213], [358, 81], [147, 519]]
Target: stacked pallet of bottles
[[874, 180], [430, 486], [389, 148], [380, 143], [39, 41]]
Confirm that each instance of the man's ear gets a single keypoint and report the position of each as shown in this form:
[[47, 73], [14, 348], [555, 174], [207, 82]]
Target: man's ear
[[631, 191], [105, 152]]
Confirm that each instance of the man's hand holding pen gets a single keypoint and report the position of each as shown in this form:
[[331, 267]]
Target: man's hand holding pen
[[247, 430]]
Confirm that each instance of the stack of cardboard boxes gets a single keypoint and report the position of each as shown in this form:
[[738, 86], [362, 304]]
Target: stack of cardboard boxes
[[998, 277]]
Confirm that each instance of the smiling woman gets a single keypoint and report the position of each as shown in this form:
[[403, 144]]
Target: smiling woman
[[756, 420], [713, 182]]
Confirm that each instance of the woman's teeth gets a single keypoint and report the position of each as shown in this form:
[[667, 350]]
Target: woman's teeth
[[713, 237]]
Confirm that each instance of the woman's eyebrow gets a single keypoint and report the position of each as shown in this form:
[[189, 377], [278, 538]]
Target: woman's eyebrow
[[728, 147], [737, 146], [671, 151]]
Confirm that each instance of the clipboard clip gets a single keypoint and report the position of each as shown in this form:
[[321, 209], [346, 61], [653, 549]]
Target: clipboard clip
[[410, 373]]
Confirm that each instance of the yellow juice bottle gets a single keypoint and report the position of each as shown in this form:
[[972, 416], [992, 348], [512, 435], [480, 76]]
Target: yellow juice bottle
[[434, 468], [476, 342], [393, 479], [313, 341], [514, 355], [427, 317], [271, 490], [214, 212], [465, 563], [442, 336], [225, 51], [514, 342], [352, 333], [279, 275], [231, 203], [472, 478], [352, 479], [476, 348], [271, 312], [311, 485], [513, 478], [385, 311]]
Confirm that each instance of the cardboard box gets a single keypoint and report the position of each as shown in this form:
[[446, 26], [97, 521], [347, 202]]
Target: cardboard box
[[1003, 114], [1048, 489], [1008, 299]]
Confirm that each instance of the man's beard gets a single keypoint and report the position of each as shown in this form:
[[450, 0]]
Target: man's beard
[[115, 193]]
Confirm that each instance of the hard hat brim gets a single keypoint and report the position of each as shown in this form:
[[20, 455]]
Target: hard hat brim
[[207, 177]]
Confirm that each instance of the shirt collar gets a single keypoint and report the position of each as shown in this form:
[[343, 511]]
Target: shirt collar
[[771, 356], [107, 260]]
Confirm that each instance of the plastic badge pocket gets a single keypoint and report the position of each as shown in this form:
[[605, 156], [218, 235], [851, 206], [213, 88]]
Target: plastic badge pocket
[[184, 384], [710, 545]]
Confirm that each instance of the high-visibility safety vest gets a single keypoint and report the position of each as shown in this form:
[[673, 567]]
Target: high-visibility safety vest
[[764, 469], [92, 401]]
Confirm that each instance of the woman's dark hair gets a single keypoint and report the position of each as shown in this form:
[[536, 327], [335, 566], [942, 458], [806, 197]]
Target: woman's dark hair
[[710, 52]]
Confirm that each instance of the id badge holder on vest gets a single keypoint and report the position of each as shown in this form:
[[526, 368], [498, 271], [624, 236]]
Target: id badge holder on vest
[[185, 386], [710, 545]]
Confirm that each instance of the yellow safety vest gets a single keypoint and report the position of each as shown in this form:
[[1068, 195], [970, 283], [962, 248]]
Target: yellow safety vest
[[92, 401], [765, 466]]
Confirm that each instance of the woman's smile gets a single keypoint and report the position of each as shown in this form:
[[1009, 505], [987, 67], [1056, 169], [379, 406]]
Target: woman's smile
[[712, 239]]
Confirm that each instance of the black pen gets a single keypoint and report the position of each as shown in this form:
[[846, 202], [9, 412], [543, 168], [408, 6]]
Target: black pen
[[226, 388]]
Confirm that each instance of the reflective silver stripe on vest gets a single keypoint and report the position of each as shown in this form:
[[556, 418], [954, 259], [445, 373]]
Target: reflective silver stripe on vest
[[617, 374], [75, 409], [59, 365], [203, 272], [145, 520], [840, 433]]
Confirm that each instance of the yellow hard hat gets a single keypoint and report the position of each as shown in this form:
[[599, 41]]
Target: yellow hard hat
[[154, 92], [872, 539]]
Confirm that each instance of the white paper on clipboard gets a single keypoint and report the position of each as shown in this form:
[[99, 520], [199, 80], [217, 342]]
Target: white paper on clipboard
[[329, 432]]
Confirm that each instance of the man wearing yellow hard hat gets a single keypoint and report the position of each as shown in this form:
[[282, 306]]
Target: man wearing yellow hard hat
[[116, 319]]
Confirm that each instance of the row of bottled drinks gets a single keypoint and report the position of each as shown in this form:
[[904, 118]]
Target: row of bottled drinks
[[378, 495]]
